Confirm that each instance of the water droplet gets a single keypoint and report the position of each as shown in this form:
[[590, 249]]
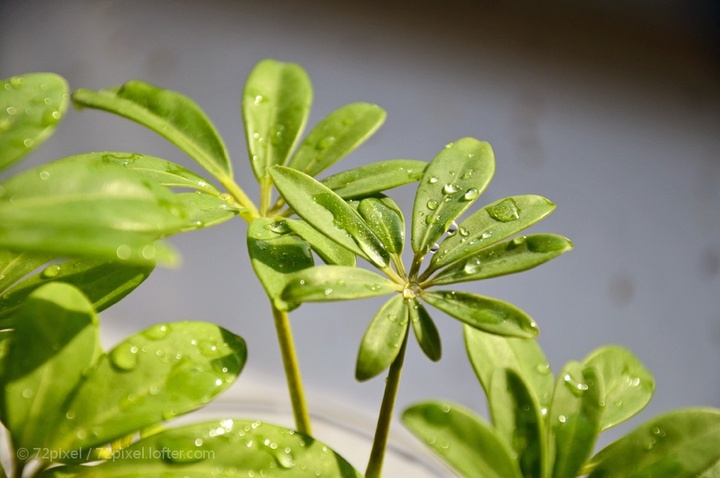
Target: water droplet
[[50, 271], [208, 349], [157, 332], [328, 291], [452, 229], [124, 356], [577, 388], [450, 188], [434, 248], [449, 145], [471, 194], [50, 118], [468, 174], [11, 110], [28, 142], [258, 99], [123, 252], [325, 143], [464, 232], [562, 418], [28, 393], [70, 415], [543, 368], [432, 204], [44, 175], [472, 266], [518, 241], [412, 290], [433, 179], [506, 210]]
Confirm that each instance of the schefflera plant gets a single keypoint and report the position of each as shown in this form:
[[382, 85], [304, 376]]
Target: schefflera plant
[[481, 246], [546, 427]]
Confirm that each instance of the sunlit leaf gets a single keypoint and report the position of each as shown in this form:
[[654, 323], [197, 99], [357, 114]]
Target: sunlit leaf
[[520, 254], [336, 135], [678, 443], [489, 352], [329, 213], [72, 208], [31, 105], [518, 421], [383, 339], [275, 105], [103, 282], [425, 330], [330, 283], [386, 221], [205, 210], [155, 375], [55, 339], [574, 418], [275, 253], [168, 113], [490, 225], [220, 448], [16, 265], [629, 386], [329, 251], [490, 315], [461, 439], [451, 183], [375, 177]]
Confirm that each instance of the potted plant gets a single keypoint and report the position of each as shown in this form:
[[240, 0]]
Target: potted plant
[[79, 234]]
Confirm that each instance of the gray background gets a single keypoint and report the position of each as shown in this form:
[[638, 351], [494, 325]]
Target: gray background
[[612, 112]]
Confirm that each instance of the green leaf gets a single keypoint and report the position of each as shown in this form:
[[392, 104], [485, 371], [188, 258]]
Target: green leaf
[[205, 210], [329, 214], [490, 225], [678, 443], [490, 315], [518, 421], [574, 419], [31, 105], [275, 105], [221, 448], [164, 172], [103, 282], [426, 333], [55, 339], [331, 283], [373, 178], [155, 375], [383, 339], [335, 136], [329, 251], [275, 253], [520, 254], [629, 386], [385, 219], [71, 207], [170, 114], [489, 352], [461, 439], [16, 265], [451, 183]]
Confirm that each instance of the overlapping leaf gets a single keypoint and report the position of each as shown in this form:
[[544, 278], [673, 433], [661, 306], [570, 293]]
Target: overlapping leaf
[[383, 339], [331, 283], [376, 177], [31, 105], [425, 330], [16, 265]]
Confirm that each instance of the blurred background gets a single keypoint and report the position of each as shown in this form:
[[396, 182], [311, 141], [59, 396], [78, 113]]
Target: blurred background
[[610, 109]]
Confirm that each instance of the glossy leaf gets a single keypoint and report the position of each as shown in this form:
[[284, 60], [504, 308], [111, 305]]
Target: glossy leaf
[[490, 225], [331, 283], [55, 339], [489, 352], [489, 315], [16, 265], [678, 443], [97, 209], [383, 339], [157, 374], [451, 183], [520, 254], [336, 135], [574, 418], [103, 282], [275, 105], [275, 253], [461, 439], [170, 114], [518, 421], [205, 210], [31, 105], [425, 330], [329, 251], [164, 172], [329, 214], [386, 221], [374, 178], [220, 448], [629, 386]]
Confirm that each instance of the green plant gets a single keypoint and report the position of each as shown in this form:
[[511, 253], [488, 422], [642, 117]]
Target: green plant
[[80, 233]]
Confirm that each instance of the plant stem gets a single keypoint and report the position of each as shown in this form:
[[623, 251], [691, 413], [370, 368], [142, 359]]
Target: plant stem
[[382, 430], [292, 370], [239, 195]]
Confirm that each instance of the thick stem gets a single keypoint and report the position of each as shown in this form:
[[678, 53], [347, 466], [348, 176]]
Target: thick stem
[[382, 430], [241, 198], [292, 371]]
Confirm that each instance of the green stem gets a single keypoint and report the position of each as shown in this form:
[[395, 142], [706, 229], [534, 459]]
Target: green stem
[[382, 430], [239, 195], [292, 371]]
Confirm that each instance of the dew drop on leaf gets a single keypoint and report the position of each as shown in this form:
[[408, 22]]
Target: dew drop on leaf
[[576, 388], [450, 188], [506, 210], [472, 266], [124, 356], [471, 194], [432, 204], [50, 271]]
